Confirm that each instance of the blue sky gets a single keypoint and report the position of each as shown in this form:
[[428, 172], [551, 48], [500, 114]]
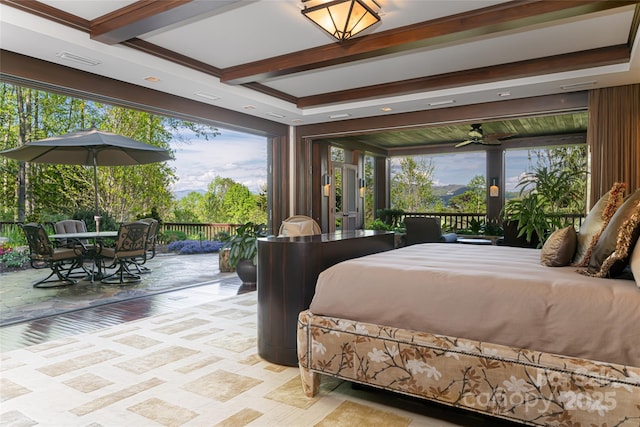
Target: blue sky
[[243, 157], [240, 156]]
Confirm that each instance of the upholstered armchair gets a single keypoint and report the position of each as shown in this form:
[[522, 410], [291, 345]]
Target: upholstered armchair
[[423, 229], [299, 225]]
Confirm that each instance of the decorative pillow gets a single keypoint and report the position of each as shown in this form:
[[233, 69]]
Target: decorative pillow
[[596, 221], [634, 263], [559, 248], [617, 241]]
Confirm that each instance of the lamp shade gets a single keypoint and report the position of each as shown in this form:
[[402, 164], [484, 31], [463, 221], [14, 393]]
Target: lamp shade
[[342, 19]]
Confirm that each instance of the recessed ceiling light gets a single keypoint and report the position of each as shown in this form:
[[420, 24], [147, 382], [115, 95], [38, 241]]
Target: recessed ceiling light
[[339, 116], [152, 79], [77, 58], [207, 95], [280, 116], [386, 109], [504, 94], [249, 107], [445, 102], [580, 85]]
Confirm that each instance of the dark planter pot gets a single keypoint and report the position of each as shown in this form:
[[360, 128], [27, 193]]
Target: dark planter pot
[[247, 272]]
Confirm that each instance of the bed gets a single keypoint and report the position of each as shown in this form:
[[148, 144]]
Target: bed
[[563, 350]]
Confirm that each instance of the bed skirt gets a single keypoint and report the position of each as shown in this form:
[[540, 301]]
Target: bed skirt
[[520, 385]]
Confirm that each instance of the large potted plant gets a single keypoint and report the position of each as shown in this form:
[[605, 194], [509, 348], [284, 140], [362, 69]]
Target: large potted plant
[[545, 193], [243, 250]]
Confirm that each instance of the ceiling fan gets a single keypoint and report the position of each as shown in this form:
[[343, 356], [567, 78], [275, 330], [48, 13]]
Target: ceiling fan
[[477, 136]]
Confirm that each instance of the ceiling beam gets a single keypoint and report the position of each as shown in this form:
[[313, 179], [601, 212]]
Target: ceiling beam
[[533, 67], [145, 16], [450, 29]]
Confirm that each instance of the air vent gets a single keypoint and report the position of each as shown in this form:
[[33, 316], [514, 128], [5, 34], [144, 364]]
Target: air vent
[[77, 58]]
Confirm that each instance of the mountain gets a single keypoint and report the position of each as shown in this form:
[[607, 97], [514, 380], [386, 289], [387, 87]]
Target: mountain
[[180, 194]]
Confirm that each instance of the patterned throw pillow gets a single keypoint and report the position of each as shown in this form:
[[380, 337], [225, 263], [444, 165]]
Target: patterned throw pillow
[[596, 221], [559, 248], [611, 253]]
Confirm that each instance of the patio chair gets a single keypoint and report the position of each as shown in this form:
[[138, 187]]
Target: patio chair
[[44, 255], [131, 244], [150, 251], [423, 229], [69, 226], [74, 226], [299, 225]]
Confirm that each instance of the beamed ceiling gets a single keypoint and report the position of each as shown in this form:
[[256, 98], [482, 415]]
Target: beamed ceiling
[[265, 59]]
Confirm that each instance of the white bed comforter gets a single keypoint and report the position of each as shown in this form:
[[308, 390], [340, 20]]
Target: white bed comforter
[[496, 294]]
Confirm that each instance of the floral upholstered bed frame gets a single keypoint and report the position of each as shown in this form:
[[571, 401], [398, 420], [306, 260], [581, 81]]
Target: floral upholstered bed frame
[[526, 386]]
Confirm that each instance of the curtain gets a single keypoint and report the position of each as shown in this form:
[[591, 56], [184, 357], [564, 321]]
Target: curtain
[[613, 136]]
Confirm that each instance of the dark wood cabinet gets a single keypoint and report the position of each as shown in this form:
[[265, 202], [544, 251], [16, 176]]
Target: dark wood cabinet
[[288, 268]]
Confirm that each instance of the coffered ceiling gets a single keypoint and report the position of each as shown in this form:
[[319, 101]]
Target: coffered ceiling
[[264, 58]]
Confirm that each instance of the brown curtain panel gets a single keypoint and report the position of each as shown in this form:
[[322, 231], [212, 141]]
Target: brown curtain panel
[[613, 136]]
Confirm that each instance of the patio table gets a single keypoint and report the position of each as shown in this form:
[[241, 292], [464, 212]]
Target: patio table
[[96, 237]]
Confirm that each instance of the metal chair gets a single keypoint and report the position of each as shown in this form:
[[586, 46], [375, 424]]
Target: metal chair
[[150, 251], [44, 255], [69, 226], [74, 226], [131, 244]]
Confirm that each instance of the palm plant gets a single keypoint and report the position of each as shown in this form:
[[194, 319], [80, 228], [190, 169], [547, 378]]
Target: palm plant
[[544, 194]]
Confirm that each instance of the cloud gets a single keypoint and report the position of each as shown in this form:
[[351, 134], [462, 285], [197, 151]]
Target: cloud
[[241, 157]]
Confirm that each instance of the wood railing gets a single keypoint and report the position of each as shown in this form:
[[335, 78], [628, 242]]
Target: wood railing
[[199, 231], [453, 221]]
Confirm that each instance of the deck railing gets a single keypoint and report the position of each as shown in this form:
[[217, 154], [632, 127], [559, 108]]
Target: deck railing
[[199, 231], [453, 221]]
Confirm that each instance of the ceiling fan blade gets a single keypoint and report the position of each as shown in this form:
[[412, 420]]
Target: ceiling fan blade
[[463, 143]]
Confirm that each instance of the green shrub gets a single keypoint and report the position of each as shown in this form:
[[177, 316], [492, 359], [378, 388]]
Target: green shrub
[[107, 222], [169, 236]]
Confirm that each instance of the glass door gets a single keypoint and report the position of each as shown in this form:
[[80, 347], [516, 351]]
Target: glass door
[[345, 197]]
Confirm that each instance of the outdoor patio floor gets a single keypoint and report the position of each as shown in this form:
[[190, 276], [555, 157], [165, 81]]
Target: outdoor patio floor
[[34, 315]]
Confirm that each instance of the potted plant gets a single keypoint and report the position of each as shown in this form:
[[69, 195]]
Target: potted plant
[[544, 193], [243, 250]]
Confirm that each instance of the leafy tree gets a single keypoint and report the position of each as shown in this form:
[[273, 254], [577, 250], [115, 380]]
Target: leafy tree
[[125, 192], [472, 200], [211, 209], [411, 188], [189, 208]]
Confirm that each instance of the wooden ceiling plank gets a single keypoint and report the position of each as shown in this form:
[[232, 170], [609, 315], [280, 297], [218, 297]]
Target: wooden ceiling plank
[[455, 28], [534, 67], [145, 16]]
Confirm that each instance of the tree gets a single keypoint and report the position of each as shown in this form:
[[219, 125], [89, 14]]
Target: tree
[[189, 208], [37, 191], [473, 199], [411, 188]]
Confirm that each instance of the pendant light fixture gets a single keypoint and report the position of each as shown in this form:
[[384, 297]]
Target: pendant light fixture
[[343, 19]]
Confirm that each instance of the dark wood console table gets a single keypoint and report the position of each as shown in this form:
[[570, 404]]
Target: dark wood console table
[[288, 268]]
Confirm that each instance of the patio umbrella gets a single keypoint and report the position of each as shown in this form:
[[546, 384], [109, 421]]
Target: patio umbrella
[[91, 147]]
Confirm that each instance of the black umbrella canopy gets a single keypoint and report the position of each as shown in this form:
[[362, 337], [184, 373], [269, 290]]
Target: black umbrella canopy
[[91, 147]]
